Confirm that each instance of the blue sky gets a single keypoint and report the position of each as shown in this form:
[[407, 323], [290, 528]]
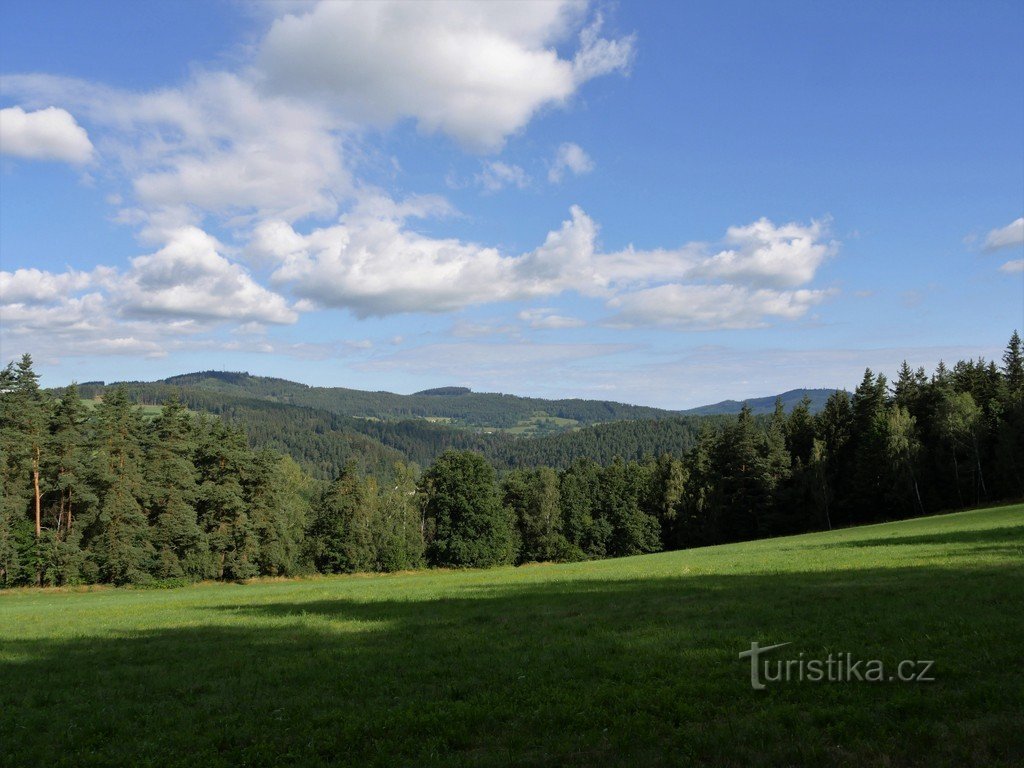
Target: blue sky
[[668, 204]]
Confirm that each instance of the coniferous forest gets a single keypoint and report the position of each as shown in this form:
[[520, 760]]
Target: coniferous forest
[[108, 492]]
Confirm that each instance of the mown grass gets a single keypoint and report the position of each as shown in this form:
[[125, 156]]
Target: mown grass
[[628, 662]]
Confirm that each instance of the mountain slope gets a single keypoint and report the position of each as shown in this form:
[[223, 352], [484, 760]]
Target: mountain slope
[[762, 405]]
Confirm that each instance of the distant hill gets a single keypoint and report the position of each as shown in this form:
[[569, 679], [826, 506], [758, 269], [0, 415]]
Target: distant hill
[[762, 405], [324, 427], [456, 406], [445, 391]]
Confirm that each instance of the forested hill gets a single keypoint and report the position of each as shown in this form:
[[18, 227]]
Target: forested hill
[[323, 442], [765, 405], [323, 428], [457, 405]]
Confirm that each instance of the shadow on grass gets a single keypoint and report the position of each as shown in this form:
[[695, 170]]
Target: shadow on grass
[[641, 672], [1007, 538]]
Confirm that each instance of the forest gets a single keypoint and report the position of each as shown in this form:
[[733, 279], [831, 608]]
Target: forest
[[102, 491]]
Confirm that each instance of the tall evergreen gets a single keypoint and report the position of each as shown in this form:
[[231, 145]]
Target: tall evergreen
[[69, 500], [172, 492], [222, 458], [120, 536], [340, 533]]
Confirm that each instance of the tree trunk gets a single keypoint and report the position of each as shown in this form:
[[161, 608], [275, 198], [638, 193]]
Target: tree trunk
[[956, 474], [35, 485]]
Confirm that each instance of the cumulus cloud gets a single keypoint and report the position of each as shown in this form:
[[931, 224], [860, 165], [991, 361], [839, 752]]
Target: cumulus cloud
[[569, 157], [175, 296], [764, 254], [374, 265], [706, 307], [1006, 237], [188, 277], [40, 287], [475, 71], [1012, 266], [46, 134]]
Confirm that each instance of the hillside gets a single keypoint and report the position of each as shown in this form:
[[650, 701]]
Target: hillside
[[323, 441], [764, 405], [324, 427], [616, 662], [457, 406]]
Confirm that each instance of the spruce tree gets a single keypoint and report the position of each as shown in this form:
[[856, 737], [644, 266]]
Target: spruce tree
[[172, 492], [120, 536], [222, 456], [340, 535]]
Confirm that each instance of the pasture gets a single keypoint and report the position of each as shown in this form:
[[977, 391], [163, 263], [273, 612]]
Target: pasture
[[625, 662]]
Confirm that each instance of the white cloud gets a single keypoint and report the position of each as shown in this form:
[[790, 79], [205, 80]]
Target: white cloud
[[46, 134], [706, 307], [173, 298], [1012, 266], [475, 71], [1007, 237], [213, 147], [40, 287], [189, 278], [497, 175], [374, 265], [764, 254], [569, 157], [600, 56], [546, 318]]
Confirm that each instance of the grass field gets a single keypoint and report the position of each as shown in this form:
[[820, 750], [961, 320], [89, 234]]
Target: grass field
[[629, 662]]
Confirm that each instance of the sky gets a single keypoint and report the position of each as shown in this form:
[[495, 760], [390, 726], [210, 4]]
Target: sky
[[667, 204]]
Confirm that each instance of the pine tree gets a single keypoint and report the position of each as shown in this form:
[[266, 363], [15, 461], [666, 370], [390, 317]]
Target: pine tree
[[69, 500], [14, 490], [740, 501], [25, 422]]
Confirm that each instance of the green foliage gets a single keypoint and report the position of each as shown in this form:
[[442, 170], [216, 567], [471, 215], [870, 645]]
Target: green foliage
[[468, 523], [113, 493], [340, 534]]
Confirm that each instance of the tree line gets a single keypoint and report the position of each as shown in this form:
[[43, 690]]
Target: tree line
[[105, 494]]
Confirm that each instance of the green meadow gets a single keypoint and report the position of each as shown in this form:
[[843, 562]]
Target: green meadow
[[630, 662]]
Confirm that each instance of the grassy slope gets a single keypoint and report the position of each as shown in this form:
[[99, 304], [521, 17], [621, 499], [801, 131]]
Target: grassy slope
[[618, 662]]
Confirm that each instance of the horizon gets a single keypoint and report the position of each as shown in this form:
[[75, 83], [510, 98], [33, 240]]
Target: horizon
[[656, 205], [114, 382]]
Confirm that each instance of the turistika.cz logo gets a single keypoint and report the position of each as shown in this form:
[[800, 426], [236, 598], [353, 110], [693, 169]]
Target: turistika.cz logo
[[835, 668]]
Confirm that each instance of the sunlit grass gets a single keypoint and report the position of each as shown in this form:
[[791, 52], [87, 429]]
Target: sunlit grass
[[617, 662]]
